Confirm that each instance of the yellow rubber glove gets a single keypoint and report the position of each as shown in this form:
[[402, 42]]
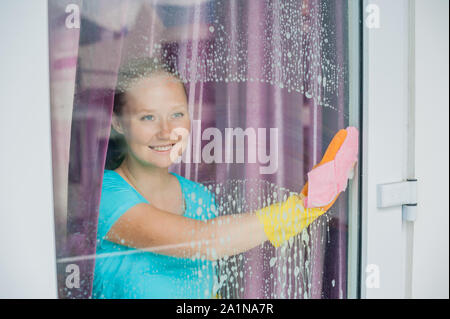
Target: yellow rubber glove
[[284, 220]]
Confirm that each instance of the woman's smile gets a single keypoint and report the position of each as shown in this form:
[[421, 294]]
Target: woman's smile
[[162, 148]]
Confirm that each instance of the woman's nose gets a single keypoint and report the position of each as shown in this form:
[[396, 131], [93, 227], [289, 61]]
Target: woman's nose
[[164, 131]]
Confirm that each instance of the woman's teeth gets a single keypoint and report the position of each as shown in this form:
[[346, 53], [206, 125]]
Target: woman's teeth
[[161, 148]]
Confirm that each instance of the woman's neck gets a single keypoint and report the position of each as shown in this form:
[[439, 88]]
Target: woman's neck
[[147, 179]]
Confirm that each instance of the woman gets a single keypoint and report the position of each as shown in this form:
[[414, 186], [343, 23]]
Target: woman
[[158, 234]]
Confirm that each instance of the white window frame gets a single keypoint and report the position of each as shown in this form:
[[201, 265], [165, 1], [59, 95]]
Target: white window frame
[[385, 269], [354, 80]]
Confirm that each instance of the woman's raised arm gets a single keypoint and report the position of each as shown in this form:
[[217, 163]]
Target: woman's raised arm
[[146, 227]]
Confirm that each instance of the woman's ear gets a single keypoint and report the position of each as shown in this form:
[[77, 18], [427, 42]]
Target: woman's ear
[[115, 122]]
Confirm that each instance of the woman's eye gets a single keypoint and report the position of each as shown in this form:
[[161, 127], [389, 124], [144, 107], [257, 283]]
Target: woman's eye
[[148, 117], [179, 114]]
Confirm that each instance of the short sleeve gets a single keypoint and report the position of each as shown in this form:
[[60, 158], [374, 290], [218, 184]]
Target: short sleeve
[[211, 208], [117, 197], [206, 203], [200, 201]]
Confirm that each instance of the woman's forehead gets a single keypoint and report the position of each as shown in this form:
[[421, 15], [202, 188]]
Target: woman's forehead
[[156, 92]]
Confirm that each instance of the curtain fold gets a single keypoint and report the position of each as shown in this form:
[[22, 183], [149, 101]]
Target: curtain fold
[[253, 65]]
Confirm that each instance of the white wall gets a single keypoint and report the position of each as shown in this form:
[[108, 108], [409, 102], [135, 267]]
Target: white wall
[[431, 237], [27, 247]]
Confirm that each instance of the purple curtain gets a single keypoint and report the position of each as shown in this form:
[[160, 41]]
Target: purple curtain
[[248, 64]]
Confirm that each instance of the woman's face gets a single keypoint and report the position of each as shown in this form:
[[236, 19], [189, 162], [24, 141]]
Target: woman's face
[[155, 120]]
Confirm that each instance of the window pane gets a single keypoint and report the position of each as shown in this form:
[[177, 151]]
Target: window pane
[[266, 86]]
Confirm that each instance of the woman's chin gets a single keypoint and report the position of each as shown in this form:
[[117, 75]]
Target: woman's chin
[[157, 159], [160, 162], [164, 159]]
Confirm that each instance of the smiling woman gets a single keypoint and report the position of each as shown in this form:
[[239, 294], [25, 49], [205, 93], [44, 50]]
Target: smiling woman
[[139, 194]]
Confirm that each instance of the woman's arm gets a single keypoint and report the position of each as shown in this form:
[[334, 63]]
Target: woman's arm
[[146, 227]]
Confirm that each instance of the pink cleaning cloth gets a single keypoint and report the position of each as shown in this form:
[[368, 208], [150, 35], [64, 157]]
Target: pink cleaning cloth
[[326, 181]]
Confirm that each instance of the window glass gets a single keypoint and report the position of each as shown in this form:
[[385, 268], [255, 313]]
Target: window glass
[[266, 85]]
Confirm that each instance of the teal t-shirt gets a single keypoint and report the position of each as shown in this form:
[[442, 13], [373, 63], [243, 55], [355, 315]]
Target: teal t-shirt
[[125, 272]]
